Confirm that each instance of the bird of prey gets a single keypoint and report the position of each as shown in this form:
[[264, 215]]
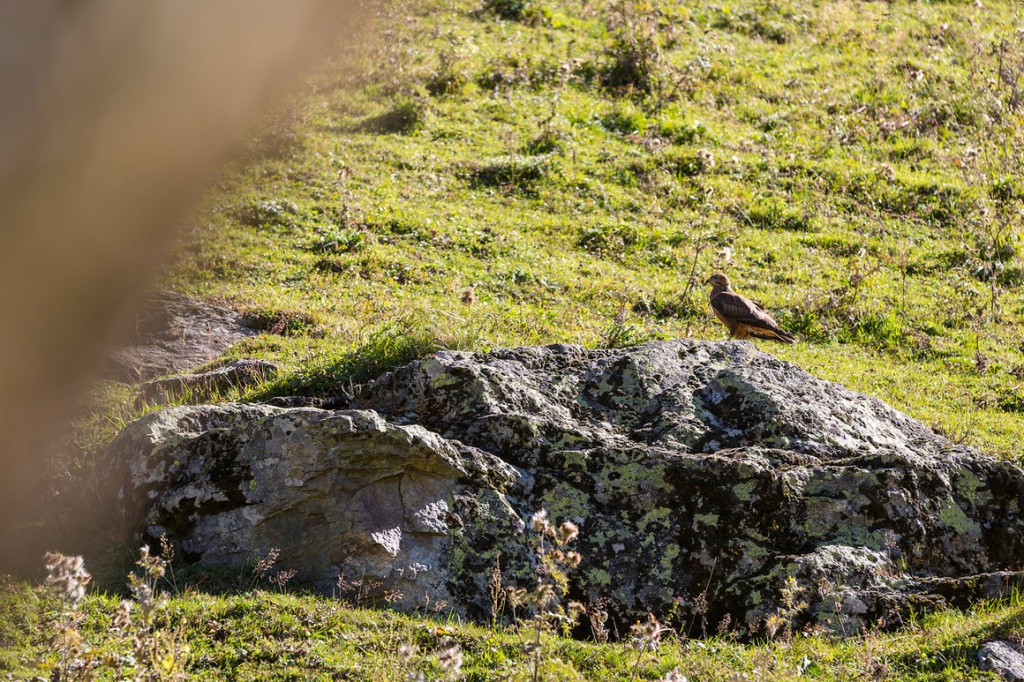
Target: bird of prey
[[743, 317]]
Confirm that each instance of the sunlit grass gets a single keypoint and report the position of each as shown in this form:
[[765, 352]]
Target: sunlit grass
[[257, 635]]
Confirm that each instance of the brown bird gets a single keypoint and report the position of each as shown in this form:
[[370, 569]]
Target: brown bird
[[743, 317]]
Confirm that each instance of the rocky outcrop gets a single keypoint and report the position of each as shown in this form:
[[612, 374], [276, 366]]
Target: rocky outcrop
[[174, 333], [708, 479], [343, 494], [204, 385]]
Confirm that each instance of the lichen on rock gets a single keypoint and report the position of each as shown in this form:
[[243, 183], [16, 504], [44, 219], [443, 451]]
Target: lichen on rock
[[340, 493], [705, 478]]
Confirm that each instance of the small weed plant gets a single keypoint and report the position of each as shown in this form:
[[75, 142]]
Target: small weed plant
[[542, 612], [139, 644], [68, 579]]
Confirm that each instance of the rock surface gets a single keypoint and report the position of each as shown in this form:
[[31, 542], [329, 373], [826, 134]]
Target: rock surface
[[707, 479], [174, 333], [341, 493], [203, 385], [1002, 659]]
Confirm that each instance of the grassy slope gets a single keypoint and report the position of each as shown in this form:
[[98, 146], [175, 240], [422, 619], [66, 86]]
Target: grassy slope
[[851, 164], [850, 191]]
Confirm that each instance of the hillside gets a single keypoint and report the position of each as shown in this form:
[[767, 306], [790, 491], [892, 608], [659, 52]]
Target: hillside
[[853, 166], [470, 176]]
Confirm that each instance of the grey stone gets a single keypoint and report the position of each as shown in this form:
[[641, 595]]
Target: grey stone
[[707, 479], [174, 333], [341, 494], [1003, 659], [203, 385]]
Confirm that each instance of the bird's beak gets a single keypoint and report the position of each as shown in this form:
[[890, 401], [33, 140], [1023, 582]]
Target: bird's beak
[[707, 281]]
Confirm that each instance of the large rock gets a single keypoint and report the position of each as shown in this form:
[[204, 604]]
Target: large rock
[[342, 494], [707, 479]]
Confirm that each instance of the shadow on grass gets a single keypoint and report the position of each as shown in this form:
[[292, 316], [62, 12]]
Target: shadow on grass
[[396, 344]]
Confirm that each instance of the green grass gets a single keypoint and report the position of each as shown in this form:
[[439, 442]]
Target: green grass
[[259, 635], [845, 162], [851, 165]]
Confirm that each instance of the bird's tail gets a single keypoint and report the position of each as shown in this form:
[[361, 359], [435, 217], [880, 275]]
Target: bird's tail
[[775, 334], [784, 336]]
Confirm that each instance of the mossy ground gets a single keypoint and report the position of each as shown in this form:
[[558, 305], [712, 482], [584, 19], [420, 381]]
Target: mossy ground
[[529, 172]]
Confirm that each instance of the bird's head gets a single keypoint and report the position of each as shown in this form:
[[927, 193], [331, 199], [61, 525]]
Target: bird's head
[[717, 280]]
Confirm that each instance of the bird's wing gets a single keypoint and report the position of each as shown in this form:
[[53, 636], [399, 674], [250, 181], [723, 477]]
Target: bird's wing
[[742, 310]]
